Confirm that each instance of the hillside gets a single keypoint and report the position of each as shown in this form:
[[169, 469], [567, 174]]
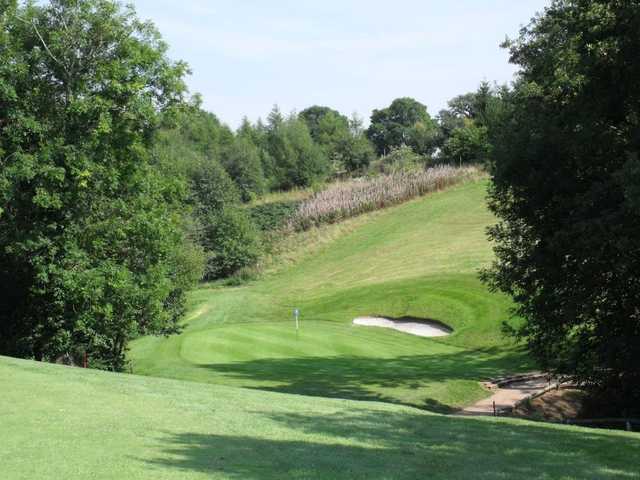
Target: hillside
[[60, 422], [419, 259]]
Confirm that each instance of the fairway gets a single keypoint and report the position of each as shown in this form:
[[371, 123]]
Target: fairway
[[66, 423], [419, 259]]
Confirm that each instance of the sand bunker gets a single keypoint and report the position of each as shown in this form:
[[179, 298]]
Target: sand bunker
[[421, 329]]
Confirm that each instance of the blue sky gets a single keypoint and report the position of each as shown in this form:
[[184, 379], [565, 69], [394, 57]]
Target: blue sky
[[351, 55]]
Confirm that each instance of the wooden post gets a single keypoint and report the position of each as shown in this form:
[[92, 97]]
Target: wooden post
[[494, 409]]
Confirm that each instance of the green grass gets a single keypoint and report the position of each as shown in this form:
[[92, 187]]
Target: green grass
[[419, 259], [66, 423]]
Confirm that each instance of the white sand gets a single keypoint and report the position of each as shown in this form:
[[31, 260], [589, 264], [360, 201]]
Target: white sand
[[414, 328]]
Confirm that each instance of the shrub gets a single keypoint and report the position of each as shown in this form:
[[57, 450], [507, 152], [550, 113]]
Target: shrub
[[225, 230], [212, 188], [467, 144], [401, 159], [271, 216], [243, 164], [231, 241]]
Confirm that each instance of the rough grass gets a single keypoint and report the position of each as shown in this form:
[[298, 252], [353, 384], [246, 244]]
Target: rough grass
[[347, 199], [74, 424], [419, 259]]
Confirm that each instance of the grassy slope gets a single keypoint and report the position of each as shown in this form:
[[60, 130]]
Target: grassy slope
[[65, 423], [419, 259]]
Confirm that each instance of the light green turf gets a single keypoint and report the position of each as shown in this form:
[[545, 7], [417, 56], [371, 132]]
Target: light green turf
[[419, 259], [74, 424]]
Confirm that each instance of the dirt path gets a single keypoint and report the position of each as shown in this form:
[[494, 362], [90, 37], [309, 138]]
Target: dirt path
[[505, 397]]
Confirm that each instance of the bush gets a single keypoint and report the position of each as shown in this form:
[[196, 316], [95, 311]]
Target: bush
[[467, 144], [356, 153], [212, 188], [401, 159], [231, 241], [271, 216], [243, 164], [225, 230]]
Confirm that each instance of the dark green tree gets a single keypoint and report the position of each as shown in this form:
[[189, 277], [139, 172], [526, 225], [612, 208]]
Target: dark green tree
[[226, 232], [188, 149], [92, 249], [323, 121], [309, 162], [405, 122], [468, 143], [297, 161], [468, 126], [565, 187], [342, 140], [242, 161]]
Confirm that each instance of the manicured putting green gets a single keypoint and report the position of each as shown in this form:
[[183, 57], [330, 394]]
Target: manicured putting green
[[74, 424], [419, 259]]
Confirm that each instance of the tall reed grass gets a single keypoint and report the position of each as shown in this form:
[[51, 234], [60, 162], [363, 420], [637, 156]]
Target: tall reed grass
[[354, 197]]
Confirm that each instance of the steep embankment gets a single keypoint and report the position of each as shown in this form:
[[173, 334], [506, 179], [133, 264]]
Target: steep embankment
[[67, 423], [419, 260]]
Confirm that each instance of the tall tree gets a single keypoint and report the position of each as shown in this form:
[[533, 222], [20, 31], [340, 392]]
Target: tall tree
[[468, 125], [405, 122], [91, 245], [343, 141], [297, 160], [242, 162], [565, 187], [316, 115]]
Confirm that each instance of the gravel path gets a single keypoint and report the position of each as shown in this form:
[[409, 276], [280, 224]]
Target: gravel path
[[421, 329], [507, 396]]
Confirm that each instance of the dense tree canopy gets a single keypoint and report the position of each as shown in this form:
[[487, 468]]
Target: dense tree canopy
[[343, 140], [323, 121], [470, 123], [243, 162], [404, 122], [92, 250], [468, 143], [566, 179], [296, 160]]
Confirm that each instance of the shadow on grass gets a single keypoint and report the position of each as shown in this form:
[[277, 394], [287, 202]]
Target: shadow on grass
[[409, 319], [380, 445], [379, 379]]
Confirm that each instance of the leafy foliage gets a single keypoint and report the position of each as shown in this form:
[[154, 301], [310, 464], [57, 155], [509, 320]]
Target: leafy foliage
[[470, 124], [231, 240], [401, 159], [404, 122], [297, 161], [242, 162], [467, 144], [272, 215], [226, 232], [565, 187], [92, 249], [342, 139], [323, 122]]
